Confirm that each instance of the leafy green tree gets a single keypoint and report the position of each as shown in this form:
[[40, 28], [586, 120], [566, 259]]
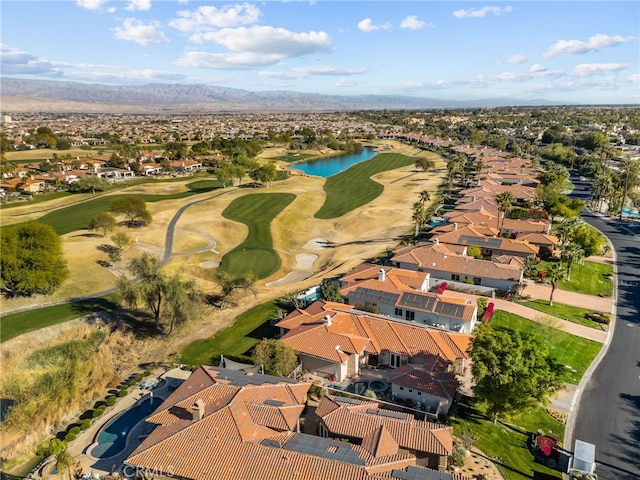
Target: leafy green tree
[[176, 150], [102, 221], [275, 356], [229, 283], [121, 242], [511, 375], [589, 240], [630, 171], [168, 298], [90, 183], [330, 291], [31, 260], [134, 208], [425, 163]]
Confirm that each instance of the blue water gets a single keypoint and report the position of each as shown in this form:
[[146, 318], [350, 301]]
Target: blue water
[[435, 223], [325, 167], [113, 437], [627, 213]]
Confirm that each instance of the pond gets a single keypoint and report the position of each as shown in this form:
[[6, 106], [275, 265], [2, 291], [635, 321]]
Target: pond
[[113, 436], [325, 167]]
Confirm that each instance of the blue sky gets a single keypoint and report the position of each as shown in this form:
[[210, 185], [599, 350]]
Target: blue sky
[[577, 51]]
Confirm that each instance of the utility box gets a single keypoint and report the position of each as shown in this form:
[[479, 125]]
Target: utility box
[[582, 465]]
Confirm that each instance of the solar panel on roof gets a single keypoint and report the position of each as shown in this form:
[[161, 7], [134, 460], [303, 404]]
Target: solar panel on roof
[[413, 300], [386, 413], [276, 403], [481, 241], [354, 401], [450, 309], [324, 447], [417, 473], [374, 296]]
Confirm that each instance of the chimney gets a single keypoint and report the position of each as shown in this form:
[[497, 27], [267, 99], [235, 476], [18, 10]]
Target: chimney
[[327, 320], [436, 241], [381, 275], [473, 198], [455, 227], [197, 410]]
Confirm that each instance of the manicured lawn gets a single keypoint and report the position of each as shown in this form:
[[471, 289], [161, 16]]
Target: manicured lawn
[[235, 341], [506, 441], [16, 324], [39, 198], [77, 217], [354, 188], [592, 278], [569, 350], [566, 312], [256, 253]]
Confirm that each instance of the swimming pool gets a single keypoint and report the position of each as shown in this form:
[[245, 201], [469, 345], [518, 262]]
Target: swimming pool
[[113, 436], [378, 386]]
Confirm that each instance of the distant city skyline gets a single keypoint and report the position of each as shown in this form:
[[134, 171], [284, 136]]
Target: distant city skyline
[[585, 52]]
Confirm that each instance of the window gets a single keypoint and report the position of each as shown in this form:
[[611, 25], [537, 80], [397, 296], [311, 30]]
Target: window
[[401, 388], [394, 360], [410, 316], [455, 277], [410, 391], [477, 280], [419, 393], [398, 312]]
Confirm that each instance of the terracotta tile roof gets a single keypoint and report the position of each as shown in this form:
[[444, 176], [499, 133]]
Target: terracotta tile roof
[[490, 219], [380, 442], [366, 282], [428, 378], [308, 335], [429, 258], [464, 236], [360, 421]]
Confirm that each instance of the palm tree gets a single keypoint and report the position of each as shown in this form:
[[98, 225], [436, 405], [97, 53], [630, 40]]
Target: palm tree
[[571, 253], [555, 273], [504, 201], [630, 170], [566, 229], [419, 217], [425, 197]]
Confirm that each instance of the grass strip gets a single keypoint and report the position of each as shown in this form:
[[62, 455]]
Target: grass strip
[[566, 312], [256, 253], [575, 353], [235, 341], [354, 188], [15, 324], [591, 278]]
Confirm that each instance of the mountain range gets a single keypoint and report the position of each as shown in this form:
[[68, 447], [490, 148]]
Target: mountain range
[[29, 96]]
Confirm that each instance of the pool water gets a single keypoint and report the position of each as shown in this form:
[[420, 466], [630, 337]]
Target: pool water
[[378, 386], [113, 436]]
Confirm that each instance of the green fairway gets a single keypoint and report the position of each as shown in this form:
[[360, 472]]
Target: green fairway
[[566, 312], [591, 278], [574, 352], [506, 441], [256, 253], [16, 324], [39, 198], [235, 341], [354, 188], [77, 217]]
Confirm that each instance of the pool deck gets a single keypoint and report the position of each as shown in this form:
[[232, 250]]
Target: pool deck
[[84, 443]]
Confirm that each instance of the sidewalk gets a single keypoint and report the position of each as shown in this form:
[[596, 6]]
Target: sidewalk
[[543, 291]]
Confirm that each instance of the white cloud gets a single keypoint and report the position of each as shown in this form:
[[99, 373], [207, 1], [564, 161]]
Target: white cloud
[[575, 47], [224, 61], [634, 78], [516, 59], [322, 70], [412, 23], [90, 4], [367, 25], [138, 5], [18, 62], [589, 69], [268, 41], [537, 68], [482, 12], [206, 18], [348, 82], [133, 30]]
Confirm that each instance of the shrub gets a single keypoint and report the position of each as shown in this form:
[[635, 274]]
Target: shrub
[[146, 373], [85, 424], [123, 392], [70, 437], [458, 455], [111, 401], [98, 411], [75, 430]]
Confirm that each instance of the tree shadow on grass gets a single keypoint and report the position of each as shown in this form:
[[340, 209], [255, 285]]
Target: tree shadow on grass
[[265, 330], [92, 305]]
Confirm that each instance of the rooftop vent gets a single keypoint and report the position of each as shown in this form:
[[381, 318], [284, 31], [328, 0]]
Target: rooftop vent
[[197, 410]]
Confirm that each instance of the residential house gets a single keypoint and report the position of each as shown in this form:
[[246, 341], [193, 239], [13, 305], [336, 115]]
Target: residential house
[[492, 218], [431, 386], [335, 341], [227, 425], [489, 246], [442, 263], [403, 295], [385, 432]]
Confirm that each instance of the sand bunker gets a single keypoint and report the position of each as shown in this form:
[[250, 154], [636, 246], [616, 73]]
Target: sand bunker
[[304, 261], [316, 244], [291, 277], [210, 264]]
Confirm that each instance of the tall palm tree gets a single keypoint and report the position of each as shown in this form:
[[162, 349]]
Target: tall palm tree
[[566, 229], [504, 201], [425, 197], [630, 171], [419, 217], [555, 273], [571, 254]]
